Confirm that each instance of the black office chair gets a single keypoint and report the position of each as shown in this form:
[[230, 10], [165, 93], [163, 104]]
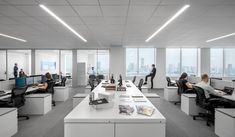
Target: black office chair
[[169, 83], [17, 100], [92, 84], [63, 80], [204, 103], [99, 78], [133, 80], [50, 89], [140, 84], [179, 90]]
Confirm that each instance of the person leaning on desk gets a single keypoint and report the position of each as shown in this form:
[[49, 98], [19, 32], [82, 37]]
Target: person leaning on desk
[[210, 92], [43, 87]]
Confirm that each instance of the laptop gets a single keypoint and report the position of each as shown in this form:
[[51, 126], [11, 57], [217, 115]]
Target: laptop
[[228, 90]]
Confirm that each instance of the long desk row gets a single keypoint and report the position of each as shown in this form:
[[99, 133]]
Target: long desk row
[[88, 121]]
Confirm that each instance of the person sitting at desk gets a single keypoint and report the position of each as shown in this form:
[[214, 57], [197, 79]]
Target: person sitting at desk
[[22, 74], [212, 95], [208, 90], [43, 87], [186, 86]]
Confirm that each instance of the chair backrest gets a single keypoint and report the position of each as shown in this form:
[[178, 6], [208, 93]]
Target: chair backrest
[[50, 87], [168, 81], [18, 96], [133, 80], [180, 87], [100, 77], [92, 84], [92, 77], [201, 98], [140, 84], [63, 80]]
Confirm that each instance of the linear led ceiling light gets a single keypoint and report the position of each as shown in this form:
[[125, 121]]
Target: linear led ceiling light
[[168, 22], [11, 37], [61, 21], [225, 36]]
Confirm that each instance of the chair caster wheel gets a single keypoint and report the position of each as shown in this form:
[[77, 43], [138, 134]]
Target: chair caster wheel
[[194, 118]]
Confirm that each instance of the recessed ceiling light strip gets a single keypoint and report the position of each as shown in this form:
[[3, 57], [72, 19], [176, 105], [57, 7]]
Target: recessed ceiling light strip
[[11, 37], [222, 37], [168, 22], [61, 21]]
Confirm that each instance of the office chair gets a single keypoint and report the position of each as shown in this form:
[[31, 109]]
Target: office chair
[[92, 84], [133, 80], [99, 78], [169, 83], [17, 100], [50, 89], [204, 103], [63, 80], [179, 90], [140, 84], [92, 77]]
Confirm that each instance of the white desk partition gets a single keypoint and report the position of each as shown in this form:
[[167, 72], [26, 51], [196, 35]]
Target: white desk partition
[[86, 121], [7, 85], [8, 122], [220, 84]]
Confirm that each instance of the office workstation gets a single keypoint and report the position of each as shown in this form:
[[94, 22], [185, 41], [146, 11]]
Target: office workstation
[[117, 68]]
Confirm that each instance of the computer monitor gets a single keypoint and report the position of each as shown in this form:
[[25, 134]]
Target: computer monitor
[[20, 82], [44, 79], [54, 76], [37, 79], [29, 81]]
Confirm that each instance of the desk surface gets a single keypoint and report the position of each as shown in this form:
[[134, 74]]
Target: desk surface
[[227, 111], [229, 97], [4, 111], [85, 113]]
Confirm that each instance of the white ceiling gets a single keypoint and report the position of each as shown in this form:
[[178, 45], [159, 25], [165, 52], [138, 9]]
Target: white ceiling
[[106, 23]]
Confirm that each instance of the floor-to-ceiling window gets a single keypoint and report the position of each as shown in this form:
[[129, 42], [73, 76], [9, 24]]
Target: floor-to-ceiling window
[[216, 62], [3, 66], [179, 60], [47, 61], [229, 62], [139, 60], [20, 57]]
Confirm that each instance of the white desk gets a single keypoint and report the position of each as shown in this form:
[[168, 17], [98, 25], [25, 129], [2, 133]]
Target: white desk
[[8, 122], [225, 122], [229, 97], [86, 121], [188, 104]]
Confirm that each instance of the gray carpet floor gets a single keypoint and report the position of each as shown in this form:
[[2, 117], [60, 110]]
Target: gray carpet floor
[[51, 125]]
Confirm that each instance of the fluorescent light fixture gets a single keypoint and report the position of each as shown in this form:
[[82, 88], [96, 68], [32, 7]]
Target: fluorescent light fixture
[[168, 22], [225, 36], [61, 21], [11, 37]]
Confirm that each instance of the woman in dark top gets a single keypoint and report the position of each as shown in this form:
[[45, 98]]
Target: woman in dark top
[[44, 86], [187, 87]]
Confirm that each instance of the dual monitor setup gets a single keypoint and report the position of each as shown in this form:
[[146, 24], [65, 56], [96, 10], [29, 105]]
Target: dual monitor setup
[[34, 80]]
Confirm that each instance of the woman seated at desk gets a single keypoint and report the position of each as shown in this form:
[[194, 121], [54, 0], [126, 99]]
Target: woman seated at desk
[[43, 87], [187, 87]]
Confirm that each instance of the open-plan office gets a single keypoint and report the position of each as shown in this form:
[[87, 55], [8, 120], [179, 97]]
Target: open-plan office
[[117, 68]]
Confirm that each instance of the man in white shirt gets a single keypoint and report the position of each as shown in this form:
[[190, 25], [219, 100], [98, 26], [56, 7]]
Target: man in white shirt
[[92, 71], [208, 90]]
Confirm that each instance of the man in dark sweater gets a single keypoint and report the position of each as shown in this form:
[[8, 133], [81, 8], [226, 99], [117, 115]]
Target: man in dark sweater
[[152, 75]]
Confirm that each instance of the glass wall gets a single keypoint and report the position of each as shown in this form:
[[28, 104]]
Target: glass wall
[[3, 66], [99, 59], [216, 62], [66, 62], [179, 60], [23, 60], [139, 60], [47, 61]]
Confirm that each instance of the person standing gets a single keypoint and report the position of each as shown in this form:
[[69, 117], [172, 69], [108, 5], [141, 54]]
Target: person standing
[[15, 70], [152, 75]]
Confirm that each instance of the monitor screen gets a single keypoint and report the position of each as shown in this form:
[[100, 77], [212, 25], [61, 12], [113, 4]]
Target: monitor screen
[[20, 82], [44, 79], [37, 79], [29, 81]]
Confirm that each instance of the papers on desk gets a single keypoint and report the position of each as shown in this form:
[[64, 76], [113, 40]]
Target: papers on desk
[[126, 109], [145, 110], [139, 100]]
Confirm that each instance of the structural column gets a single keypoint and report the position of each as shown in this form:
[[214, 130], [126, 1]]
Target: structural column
[[75, 69]]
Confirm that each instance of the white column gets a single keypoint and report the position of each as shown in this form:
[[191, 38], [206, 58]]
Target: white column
[[160, 78], [33, 64], [75, 69], [117, 61], [205, 61]]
